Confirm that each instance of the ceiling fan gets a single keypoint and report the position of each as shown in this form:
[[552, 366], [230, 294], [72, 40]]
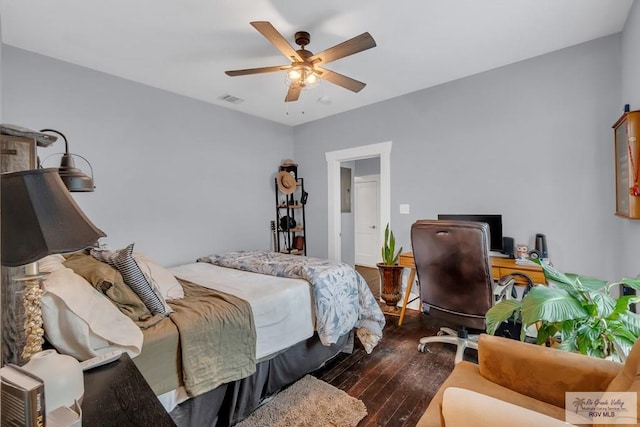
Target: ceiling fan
[[305, 69]]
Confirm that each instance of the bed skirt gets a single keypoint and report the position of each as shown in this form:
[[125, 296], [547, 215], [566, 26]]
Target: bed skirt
[[230, 403]]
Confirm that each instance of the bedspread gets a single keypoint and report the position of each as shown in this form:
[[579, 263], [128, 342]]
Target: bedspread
[[341, 296]]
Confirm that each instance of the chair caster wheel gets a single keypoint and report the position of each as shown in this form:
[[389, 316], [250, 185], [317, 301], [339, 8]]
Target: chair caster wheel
[[422, 348]]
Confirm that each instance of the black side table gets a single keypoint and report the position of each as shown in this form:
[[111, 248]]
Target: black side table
[[116, 394]]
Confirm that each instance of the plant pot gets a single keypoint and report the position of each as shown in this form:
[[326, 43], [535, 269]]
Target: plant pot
[[391, 283]]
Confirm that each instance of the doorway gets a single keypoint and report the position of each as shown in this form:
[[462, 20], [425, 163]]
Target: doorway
[[334, 158]]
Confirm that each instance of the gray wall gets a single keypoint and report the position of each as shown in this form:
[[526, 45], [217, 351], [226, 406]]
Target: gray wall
[[182, 178], [179, 177], [366, 167], [531, 141], [628, 233]]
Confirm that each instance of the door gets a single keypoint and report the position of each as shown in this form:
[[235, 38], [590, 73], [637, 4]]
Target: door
[[367, 220]]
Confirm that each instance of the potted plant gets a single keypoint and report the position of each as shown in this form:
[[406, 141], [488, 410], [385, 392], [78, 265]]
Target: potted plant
[[580, 311], [390, 271]]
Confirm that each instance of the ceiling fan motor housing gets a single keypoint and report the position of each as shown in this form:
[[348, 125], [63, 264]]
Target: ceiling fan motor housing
[[303, 38]]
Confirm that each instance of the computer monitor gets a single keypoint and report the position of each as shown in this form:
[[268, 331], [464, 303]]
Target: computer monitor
[[494, 221]]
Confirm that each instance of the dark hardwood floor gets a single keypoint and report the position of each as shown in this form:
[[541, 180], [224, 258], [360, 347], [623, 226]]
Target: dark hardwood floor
[[395, 381]]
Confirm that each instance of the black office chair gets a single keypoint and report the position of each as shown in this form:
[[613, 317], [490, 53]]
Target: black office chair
[[454, 271]]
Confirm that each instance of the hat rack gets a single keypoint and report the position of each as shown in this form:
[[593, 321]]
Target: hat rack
[[290, 199]]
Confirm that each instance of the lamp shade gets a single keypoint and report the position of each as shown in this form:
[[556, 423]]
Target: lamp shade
[[72, 177], [39, 218]]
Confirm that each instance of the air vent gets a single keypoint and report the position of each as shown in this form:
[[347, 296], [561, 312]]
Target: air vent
[[232, 99]]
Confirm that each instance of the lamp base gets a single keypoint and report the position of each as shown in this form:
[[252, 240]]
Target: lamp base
[[32, 303]]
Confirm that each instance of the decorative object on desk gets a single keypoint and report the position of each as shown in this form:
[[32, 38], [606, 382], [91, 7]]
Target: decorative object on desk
[[286, 183], [581, 310], [390, 271], [522, 251], [73, 178], [533, 254], [62, 376], [43, 219]]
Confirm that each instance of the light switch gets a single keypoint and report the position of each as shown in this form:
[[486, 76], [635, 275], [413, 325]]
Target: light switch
[[404, 209]]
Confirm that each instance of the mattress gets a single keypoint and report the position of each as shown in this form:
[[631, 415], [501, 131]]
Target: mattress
[[282, 307]]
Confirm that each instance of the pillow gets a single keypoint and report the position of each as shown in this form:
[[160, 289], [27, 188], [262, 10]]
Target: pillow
[[134, 277], [81, 322], [109, 282], [166, 282], [51, 263]]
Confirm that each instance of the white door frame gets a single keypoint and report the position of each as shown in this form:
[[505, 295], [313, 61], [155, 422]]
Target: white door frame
[[382, 150]]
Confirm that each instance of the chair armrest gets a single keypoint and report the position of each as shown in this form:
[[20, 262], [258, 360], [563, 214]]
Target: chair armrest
[[462, 408], [539, 372]]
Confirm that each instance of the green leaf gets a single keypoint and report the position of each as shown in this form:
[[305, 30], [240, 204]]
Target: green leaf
[[631, 321], [604, 303], [551, 305], [590, 283], [501, 312], [551, 274]]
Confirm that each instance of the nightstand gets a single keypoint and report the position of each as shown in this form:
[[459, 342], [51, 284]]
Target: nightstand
[[116, 394]]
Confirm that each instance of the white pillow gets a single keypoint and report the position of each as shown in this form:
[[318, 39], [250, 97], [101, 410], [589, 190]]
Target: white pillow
[[80, 321], [160, 277], [51, 263]]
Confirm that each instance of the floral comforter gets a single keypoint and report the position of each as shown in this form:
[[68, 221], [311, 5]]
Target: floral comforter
[[341, 296]]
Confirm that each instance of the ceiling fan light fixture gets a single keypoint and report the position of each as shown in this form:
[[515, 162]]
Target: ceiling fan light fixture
[[302, 75]]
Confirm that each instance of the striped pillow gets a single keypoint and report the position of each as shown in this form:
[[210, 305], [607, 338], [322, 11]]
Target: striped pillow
[[123, 261]]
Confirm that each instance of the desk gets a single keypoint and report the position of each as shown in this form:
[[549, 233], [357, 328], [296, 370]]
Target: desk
[[499, 267]]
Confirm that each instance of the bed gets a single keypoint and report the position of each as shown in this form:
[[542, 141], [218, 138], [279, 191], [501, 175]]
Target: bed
[[230, 330]]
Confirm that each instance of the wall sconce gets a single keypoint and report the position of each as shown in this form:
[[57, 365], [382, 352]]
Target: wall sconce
[[39, 218], [73, 178]]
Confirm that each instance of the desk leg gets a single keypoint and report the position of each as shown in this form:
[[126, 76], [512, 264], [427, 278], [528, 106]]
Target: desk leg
[[412, 276]]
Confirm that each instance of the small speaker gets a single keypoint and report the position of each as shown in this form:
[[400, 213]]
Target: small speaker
[[508, 246]]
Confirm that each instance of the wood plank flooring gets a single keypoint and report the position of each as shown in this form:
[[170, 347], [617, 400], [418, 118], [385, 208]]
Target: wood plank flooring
[[395, 381]]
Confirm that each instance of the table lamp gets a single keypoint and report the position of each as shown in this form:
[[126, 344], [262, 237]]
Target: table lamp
[[39, 218]]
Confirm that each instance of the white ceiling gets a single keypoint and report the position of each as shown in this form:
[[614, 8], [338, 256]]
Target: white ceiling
[[184, 46]]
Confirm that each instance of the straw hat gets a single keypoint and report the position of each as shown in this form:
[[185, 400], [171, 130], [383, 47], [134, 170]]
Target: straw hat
[[286, 182], [289, 162]]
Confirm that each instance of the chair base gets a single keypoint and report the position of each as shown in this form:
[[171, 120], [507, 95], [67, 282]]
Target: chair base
[[448, 336]]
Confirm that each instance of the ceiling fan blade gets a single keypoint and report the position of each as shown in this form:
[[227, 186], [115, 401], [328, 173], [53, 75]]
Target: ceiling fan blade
[[275, 38], [257, 70], [293, 94], [357, 44], [340, 79]]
